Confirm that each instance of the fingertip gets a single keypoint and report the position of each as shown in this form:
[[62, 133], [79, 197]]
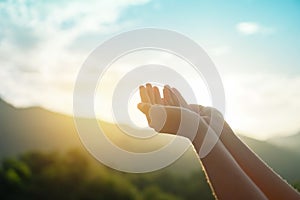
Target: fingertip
[[169, 89], [144, 107], [141, 87], [139, 105], [165, 90], [148, 85], [155, 89], [141, 108]]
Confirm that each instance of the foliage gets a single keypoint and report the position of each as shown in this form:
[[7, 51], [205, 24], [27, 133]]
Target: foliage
[[297, 186], [74, 175]]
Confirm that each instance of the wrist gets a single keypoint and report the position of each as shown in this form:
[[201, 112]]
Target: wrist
[[205, 139]]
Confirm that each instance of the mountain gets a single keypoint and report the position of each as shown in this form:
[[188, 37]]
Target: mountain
[[35, 128], [291, 142], [282, 160]]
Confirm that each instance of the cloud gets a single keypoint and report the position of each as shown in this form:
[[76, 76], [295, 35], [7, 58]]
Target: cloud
[[251, 28], [220, 50], [263, 105], [43, 44]]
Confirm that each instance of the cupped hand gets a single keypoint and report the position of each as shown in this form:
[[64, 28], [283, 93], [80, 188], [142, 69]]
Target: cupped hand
[[160, 114], [164, 114], [206, 113], [171, 115]]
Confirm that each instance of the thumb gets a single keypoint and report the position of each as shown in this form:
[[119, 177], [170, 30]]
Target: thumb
[[175, 120], [164, 119], [157, 117], [144, 108]]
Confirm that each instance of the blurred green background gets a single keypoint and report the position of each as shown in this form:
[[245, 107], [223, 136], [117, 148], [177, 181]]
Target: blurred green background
[[42, 158]]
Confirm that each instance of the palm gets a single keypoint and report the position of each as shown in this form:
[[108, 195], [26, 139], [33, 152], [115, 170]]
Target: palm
[[150, 95]]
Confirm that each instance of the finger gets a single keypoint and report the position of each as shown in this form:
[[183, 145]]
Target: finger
[[173, 96], [199, 109], [144, 95], [167, 97], [144, 108], [207, 111], [164, 101], [157, 97], [213, 111], [150, 93], [180, 98]]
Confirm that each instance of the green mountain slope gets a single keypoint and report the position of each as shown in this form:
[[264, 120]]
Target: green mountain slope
[[29, 129], [283, 161], [34, 128], [291, 142]]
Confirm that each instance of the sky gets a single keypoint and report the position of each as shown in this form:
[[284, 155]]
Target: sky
[[254, 44]]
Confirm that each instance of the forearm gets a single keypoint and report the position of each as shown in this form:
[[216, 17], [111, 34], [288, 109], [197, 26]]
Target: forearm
[[227, 179], [273, 186]]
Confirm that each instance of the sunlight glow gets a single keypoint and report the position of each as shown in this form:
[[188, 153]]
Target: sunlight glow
[[106, 86]]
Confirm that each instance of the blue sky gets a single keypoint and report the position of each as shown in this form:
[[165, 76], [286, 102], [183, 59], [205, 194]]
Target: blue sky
[[212, 23], [255, 45]]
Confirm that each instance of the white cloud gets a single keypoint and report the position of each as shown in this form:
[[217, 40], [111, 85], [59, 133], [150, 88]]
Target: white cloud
[[220, 50], [250, 28], [41, 45], [41, 49], [263, 105]]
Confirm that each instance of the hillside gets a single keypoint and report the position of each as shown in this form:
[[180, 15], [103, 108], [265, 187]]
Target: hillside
[[34, 128], [282, 160], [291, 142], [38, 129]]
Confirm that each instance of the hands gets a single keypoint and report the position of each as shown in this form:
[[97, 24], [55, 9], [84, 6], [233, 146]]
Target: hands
[[250, 176], [172, 114], [163, 114]]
